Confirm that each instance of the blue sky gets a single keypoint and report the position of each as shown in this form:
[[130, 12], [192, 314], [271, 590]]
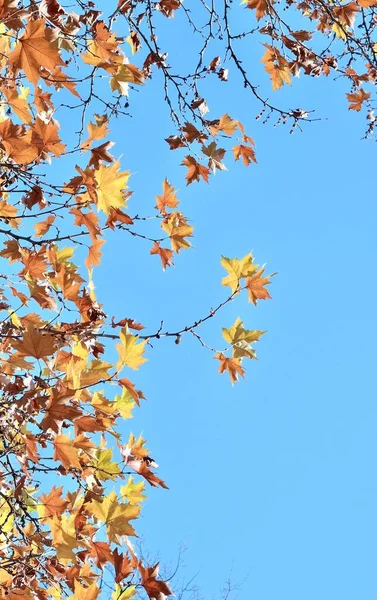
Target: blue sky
[[272, 481]]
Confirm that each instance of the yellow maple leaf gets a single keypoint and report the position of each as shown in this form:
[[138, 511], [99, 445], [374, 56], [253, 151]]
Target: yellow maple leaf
[[241, 339], [130, 350], [237, 270], [276, 66], [64, 537], [115, 516], [132, 492], [85, 593], [110, 186]]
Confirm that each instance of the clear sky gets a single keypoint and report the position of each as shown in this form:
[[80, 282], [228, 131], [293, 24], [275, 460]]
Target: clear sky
[[272, 480]]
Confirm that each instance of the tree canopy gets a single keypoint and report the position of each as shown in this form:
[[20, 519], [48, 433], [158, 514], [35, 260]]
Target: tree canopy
[[71, 487]]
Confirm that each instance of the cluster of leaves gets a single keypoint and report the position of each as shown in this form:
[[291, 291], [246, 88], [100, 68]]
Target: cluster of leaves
[[59, 415]]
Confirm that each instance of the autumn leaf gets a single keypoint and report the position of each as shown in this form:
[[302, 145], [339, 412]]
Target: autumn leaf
[[35, 343], [19, 105], [247, 153], [35, 50], [115, 516], [44, 226], [45, 138], [167, 199], [276, 66], [177, 228], [126, 74], [90, 592], [95, 254], [255, 286], [96, 131], [237, 270], [155, 588], [52, 503], [195, 170], [16, 141], [66, 452], [165, 254], [132, 492], [111, 184], [215, 155], [131, 350], [357, 98], [7, 211], [241, 339], [260, 6], [231, 365]]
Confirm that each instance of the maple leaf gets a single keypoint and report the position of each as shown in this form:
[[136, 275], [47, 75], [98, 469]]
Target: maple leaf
[[246, 152], [142, 468], [66, 452], [175, 141], [97, 131], [11, 251], [276, 66], [111, 184], [16, 141], [35, 50], [102, 552], [195, 170], [123, 565], [126, 74], [100, 154], [132, 492], [130, 350], [177, 229], [19, 105], [215, 155], [7, 211], [255, 286], [237, 270], [260, 6], [45, 138], [115, 516], [155, 588], [44, 226], [103, 49], [357, 98], [90, 592], [165, 254], [231, 365], [241, 339], [95, 254], [64, 537], [35, 343], [52, 503], [191, 133], [168, 199]]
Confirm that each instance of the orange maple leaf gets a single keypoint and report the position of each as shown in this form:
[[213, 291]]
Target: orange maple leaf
[[255, 286], [165, 254], [35, 50], [356, 99], [195, 170], [231, 365]]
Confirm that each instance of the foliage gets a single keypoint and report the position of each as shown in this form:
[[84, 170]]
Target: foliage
[[58, 412]]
